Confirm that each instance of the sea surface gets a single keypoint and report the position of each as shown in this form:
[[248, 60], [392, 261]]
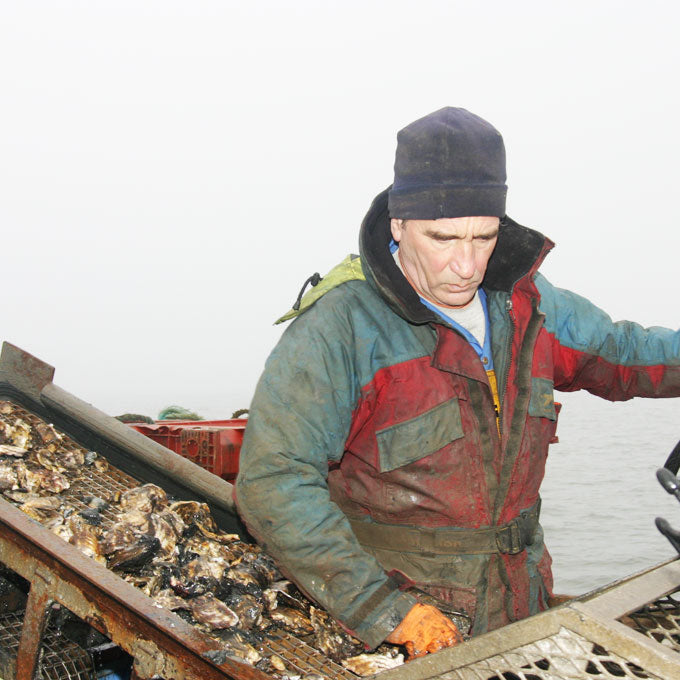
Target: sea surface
[[600, 494]]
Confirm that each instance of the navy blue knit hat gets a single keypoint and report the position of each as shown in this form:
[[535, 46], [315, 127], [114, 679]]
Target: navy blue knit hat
[[450, 163]]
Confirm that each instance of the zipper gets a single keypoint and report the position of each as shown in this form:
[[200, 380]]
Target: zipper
[[506, 373]]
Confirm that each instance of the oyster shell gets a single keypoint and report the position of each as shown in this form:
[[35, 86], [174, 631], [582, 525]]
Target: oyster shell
[[127, 548], [11, 450], [146, 498], [8, 477], [85, 537], [369, 664], [331, 639], [207, 609], [292, 620]]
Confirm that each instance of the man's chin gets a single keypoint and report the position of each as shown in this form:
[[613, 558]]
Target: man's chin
[[457, 300]]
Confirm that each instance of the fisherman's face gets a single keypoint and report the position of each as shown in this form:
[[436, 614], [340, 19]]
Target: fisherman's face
[[445, 260]]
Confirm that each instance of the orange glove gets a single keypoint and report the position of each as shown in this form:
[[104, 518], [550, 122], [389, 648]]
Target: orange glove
[[425, 630]]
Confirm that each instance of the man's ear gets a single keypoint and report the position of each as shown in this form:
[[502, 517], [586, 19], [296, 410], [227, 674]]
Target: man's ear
[[396, 227]]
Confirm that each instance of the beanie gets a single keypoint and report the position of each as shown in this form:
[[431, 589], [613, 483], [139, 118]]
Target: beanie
[[450, 163]]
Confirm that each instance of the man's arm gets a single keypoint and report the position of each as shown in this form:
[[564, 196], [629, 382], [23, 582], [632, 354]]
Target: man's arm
[[614, 360], [299, 420]]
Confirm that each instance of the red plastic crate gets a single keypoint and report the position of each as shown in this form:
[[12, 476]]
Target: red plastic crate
[[213, 444]]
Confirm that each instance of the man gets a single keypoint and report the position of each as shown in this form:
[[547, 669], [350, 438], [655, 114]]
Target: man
[[398, 436]]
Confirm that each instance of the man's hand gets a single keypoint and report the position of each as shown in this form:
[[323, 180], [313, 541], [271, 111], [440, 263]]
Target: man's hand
[[425, 630]]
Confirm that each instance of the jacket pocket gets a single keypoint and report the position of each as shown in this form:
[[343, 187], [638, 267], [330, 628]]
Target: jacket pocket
[[418, 437], [542, 402]]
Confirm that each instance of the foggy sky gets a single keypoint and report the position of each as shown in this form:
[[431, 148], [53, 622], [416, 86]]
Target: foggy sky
[[171, 172]]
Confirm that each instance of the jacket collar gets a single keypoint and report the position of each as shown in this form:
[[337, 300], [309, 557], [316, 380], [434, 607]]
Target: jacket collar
[[518, 253]]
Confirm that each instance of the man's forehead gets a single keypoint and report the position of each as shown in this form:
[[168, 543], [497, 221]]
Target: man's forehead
[[456, 225]]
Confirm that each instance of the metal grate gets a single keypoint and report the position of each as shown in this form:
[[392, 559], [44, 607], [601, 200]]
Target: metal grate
[[303, 658], [659, 620], [563, 656], [103, 484], [60, 659]]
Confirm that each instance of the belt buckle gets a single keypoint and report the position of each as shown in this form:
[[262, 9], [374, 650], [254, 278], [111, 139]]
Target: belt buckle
[[515, 543]]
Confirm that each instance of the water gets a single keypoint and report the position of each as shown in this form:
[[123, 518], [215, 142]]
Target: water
[[600, 494]]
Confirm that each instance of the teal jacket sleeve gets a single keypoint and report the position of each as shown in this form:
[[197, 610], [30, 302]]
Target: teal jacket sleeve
[[615, 360], [299, 420]]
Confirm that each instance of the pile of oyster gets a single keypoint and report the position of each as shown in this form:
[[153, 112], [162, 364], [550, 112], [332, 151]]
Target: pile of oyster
[[172, 550]]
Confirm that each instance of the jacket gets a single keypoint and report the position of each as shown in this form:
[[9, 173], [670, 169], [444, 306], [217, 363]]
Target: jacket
[[372, 412]]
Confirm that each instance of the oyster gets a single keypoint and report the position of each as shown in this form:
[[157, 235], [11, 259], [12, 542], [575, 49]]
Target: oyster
[[167, 527], [331, 639], [270, 599], [29, 478], [20, 495], [247, 607], [19, 434], [193, 512], [47, 460], [292, 620], [8, 477], [196, 544], [43, 503], [238, 645], [101, 464], [127, 548], [11, 450], [63, 531], [95, 503], [277, 663], [146, 498], [198, 515], [46, 433], [91, 457], [85, 537], [207, 609], [72, 458], [168, 599], [243, 573], [50, 480], [202, 567], [265, 568], [369, 664], [91, 516]]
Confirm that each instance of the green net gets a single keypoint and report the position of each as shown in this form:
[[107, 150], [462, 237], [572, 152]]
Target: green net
[[178, 413]]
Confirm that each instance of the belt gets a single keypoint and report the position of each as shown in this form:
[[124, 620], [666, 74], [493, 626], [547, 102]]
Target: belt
[[509, 539]]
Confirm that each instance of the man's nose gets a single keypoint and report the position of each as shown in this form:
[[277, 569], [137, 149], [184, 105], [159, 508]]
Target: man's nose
[[463, 259]]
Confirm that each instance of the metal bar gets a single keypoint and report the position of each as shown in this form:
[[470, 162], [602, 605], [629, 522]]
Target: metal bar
[[24, 371], [596, 625], [633, 593], [35, 621], [214, 489], [161, 643]]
